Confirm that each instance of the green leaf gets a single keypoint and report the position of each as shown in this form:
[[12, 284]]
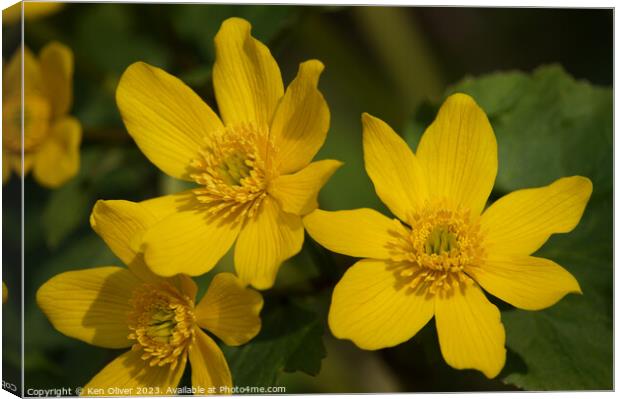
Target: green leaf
[[310, 351], [549, 125], [291, 339]]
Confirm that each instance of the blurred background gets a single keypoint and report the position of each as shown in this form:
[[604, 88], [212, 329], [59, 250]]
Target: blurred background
[[395, 63]]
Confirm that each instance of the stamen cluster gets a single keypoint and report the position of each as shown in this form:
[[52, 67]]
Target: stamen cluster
[[442, 242], [161, 323], [234, 168]]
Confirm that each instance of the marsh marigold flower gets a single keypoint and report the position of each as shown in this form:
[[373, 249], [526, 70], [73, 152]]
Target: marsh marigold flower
[[51, 140], [435, 259], [117, 307], [252, 167]]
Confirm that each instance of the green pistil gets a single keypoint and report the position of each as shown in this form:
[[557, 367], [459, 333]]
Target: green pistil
[[162, 325], [440, 240], [234, 169]]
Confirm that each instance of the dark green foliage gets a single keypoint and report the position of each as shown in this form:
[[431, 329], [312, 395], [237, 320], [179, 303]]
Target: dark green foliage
[[290, 340]]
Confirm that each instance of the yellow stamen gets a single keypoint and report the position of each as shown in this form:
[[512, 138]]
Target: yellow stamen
[[442, 243], [234, 170], [161, 323]]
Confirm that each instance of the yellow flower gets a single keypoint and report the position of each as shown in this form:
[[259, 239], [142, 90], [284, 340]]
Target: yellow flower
[[116, 307], [253, 166], [52, 138], [5, 293], [32, 11], [434, 261]]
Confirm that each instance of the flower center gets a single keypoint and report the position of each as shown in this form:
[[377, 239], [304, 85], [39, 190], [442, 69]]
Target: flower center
[[234, 169], [37, 113], [440, 240], [442, 243], [161, 323]]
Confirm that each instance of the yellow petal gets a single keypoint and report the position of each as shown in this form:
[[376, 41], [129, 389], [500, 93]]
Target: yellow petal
[[297, 193], [230, 310], [246, 78], [166, 205], [525, 281], [393, 168], [267, 240], [209, 367], [363, 233], [371, 309], [56, 62], [91, 304], [185, 285], [471, 334], [129, 375], [458, 152], [33, 78], [12, 74], [122, 224], [301, 120], [58, 158], [522, 221], [167, 120], [189, 242]]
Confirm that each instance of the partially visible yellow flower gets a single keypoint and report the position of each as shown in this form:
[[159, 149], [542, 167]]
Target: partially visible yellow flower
[[32, 11], [435, 259], [52, 138], [253, 166], [116, 307], [5, 293]]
